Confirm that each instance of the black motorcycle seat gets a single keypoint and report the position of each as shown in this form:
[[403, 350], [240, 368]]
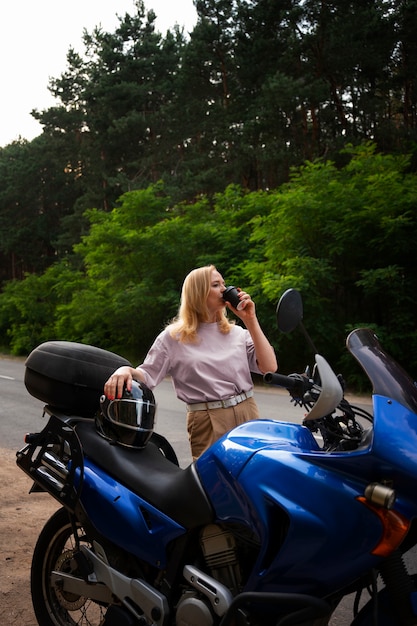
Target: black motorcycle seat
[[176, 492]]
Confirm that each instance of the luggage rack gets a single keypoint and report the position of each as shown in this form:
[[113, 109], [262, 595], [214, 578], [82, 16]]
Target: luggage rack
[[54, 460]]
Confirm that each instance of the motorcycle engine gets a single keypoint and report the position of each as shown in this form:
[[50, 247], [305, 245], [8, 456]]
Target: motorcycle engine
[[193, 611], [219, 549], [220, 554]]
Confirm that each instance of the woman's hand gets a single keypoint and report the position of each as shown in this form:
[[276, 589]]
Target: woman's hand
[[122, 377], [248, 306], [265, 354]]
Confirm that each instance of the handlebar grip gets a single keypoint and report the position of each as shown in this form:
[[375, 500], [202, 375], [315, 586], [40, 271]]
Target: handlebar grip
[[280, 380]]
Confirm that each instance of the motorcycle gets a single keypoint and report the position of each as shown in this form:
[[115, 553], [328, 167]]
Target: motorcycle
[[273, 525]]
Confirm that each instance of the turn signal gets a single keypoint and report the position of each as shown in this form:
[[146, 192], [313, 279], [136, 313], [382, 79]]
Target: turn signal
[[394, 528]]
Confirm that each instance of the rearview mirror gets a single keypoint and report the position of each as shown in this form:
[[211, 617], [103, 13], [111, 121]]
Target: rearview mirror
[[289, 310]]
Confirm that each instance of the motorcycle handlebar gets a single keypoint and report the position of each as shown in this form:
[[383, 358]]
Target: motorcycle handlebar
[[296, 384], [280, 380]]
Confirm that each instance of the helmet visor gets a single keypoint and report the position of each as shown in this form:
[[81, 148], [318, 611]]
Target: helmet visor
[[134, 414]]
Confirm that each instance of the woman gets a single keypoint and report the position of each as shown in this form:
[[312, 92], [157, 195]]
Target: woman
[[209, 358]]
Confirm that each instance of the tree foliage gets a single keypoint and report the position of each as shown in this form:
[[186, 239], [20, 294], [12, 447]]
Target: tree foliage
[[343, 236]]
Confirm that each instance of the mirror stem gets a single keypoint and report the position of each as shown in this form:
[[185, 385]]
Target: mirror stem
[[307, 336]]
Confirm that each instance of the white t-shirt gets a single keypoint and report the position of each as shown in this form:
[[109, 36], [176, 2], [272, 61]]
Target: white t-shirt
[[218, 366]]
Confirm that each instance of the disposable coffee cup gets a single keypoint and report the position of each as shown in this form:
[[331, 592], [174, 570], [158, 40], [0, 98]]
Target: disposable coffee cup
[[231, 294]]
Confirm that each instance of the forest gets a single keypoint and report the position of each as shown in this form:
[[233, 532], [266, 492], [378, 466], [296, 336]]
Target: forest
[[277, 140]]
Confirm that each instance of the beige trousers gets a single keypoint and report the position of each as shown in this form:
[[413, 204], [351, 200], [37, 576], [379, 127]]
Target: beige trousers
[[206, 427]]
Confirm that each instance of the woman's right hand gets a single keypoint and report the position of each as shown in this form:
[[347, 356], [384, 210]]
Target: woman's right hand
[[122, 377]]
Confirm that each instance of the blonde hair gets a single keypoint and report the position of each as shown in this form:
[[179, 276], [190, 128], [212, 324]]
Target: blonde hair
[[193, 308]]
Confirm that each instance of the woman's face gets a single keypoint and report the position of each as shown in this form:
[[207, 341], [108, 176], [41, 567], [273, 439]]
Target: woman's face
[[215, 300]]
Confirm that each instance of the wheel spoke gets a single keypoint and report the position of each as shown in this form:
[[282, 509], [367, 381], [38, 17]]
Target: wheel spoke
[[55, 551]]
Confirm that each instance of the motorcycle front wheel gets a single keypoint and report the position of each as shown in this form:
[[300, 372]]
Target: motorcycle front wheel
[[54, 551]]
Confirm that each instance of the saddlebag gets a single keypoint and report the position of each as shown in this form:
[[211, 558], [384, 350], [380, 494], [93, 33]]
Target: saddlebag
[[70, 376]]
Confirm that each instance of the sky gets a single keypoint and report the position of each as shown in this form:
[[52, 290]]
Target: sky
[[35, 36]]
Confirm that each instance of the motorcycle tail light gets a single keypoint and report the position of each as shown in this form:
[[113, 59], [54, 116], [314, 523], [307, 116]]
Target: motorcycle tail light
[[394, 528], [30, 437]]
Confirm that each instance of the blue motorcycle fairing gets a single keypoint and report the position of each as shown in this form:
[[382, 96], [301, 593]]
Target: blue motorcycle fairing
[[247, 439], [388, 455], [125, 518], [272, 477], [326, 519], [395, 443], [235, 450]]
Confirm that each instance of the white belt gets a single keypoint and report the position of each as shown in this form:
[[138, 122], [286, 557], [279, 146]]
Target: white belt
[[221, 404]]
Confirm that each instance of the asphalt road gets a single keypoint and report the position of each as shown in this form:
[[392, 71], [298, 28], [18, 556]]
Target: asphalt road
[[21, 413]]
